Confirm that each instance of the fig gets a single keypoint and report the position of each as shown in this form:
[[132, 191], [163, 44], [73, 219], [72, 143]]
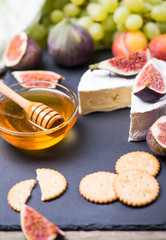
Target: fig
[[150, 84], [46, 76], [37, 227], [126, 65], [69, 44], [156, 137], [22, 53]]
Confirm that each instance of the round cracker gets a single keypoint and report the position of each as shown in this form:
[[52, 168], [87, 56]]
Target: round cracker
[[98, 187], [20, 193], [52, 183], [136, 187], [138, 160]]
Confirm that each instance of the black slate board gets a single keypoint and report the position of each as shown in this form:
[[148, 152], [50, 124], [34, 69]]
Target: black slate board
[[94, 144]]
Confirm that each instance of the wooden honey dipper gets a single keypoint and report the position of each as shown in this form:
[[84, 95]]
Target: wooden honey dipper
[[37, 112]]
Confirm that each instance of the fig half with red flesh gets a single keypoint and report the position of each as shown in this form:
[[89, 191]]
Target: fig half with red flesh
[[37, 75], [22, 53], [156, 137], [126, 65], [37, 227], [150, 83]]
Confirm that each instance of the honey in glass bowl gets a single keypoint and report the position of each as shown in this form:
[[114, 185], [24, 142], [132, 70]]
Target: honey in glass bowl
[[15, 127]]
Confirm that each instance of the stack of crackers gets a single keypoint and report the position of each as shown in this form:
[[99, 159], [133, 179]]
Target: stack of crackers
[[134, 182]]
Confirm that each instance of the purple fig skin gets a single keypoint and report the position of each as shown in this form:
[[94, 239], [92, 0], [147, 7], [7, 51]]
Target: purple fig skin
[[32, 57], [148, 95], [154, 146], [71, 45]]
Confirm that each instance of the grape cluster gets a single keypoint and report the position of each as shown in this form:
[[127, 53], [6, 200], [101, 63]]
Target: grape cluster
[[104, 19]]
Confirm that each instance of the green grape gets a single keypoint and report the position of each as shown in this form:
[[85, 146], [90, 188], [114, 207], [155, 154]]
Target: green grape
[[97, 32], [134, 5], [121, 27], [162, 27], [134, 22], [151, 30], [78, 2], [46, 21], [47, 8], [109, 5], [121, 14], [71, 10], [109, 24], [154, 2], [147, 7], [158, 13], [146, 10], [59, 4], [85, 22], [56, 16], [97, 12], [37, 32]]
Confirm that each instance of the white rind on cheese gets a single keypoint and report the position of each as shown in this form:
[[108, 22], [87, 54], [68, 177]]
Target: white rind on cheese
[[101, 91], [143, 114], [144, 117]]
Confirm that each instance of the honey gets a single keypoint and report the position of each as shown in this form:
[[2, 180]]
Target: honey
[[13, 117]]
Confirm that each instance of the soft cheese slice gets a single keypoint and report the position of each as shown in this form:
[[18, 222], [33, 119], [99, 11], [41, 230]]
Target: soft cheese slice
[[143, 114], [101, 91]]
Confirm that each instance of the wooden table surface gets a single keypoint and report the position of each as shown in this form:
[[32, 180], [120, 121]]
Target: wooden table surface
[[97, 235]]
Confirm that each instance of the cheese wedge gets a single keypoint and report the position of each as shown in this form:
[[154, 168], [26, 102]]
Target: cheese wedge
[[100, 90], [103, 91], [143, 114]]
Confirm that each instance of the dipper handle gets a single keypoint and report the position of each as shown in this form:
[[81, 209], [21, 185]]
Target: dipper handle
[[38, 113]]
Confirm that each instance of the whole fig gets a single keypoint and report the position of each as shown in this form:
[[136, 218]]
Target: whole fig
[[70, 44]]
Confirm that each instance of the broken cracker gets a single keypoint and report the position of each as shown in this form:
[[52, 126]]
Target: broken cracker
[[52, 183], [20, 193]]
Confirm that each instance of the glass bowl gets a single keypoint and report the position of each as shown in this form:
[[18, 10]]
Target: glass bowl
[[17, 130]]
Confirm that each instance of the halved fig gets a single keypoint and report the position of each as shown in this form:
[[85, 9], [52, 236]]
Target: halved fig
[[156, 137], [22, 53], [37, 75], [37, 227], [126, 65], [150, 83]]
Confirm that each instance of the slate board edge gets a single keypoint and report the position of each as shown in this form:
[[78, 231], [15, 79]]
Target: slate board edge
[[94, 227]]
